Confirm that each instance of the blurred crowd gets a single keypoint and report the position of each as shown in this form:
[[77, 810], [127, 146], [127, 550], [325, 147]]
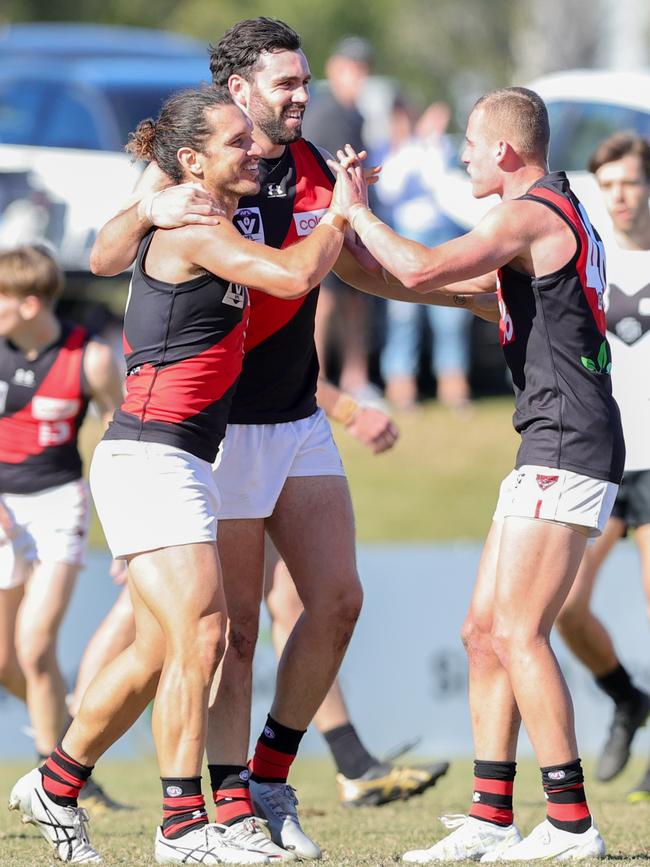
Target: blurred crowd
[[351, 327]]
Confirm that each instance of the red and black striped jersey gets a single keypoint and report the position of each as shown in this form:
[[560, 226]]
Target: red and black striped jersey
[[42, 405], [552, 331], [183, 344], [280, 371]]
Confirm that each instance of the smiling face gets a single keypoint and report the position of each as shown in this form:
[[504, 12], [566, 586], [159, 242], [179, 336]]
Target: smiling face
[[229, 160], [626, 190], [481, 155], [277, 95]]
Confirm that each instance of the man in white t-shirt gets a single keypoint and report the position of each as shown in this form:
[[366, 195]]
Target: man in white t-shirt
[[621, 165]]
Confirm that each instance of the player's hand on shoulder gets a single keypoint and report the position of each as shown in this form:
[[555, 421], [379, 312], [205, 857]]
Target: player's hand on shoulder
[[181, 205], [374, 429]]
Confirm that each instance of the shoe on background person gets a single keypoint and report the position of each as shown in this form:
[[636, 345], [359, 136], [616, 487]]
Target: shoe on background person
[[470, 838], [628, 718], [385, 782], [94, 798]]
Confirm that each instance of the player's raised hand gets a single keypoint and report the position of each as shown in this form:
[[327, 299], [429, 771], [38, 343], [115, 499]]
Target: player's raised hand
[[350, 188]]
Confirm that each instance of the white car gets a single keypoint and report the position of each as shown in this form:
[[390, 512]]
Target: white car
[[585, 106]]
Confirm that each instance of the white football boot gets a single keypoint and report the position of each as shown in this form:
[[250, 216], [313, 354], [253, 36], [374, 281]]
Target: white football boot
[[248, 835], [470, 839], [276, 802], [551, 843], [204, 845]]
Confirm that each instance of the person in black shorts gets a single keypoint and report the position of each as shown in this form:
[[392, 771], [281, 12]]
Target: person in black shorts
[[621, 165], [551, 286]]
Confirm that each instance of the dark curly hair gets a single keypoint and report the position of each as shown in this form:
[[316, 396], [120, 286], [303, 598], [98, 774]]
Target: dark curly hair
[[238, 51], [182, 122]]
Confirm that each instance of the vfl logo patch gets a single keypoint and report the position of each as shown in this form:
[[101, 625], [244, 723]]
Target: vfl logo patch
[[248, 222], [545, 482], [307, 221], [174, 791], [235, 295]]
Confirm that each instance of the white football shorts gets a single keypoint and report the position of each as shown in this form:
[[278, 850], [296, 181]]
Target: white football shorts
[[255, 460]]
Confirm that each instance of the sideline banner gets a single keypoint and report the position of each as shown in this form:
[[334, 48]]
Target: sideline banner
[[405, 675]]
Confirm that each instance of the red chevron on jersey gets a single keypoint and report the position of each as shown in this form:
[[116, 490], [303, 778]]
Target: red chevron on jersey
[[160, 393], [591, 260], [313, 194], [53, 415]]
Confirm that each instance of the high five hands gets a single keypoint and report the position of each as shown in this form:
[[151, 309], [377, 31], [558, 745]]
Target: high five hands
[[352, 180]]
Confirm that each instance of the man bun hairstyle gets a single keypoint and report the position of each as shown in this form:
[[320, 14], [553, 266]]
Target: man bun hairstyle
[[520, 113], [620, 145], [239, 49], [30, 270], [182, 122]]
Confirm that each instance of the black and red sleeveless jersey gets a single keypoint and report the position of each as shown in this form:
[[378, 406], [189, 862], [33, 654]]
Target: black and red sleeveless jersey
[[552, 331], [42, 405], [280, 371], [183, 344]]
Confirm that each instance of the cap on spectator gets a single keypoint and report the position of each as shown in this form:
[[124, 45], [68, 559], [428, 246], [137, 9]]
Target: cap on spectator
[[354, 48]]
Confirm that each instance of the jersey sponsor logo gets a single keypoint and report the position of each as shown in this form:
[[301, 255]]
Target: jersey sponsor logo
[[545, 482], [235, 295], [307, 221], [4, 390], [24, 377], [248, 222], [54, 408], [276, 191]]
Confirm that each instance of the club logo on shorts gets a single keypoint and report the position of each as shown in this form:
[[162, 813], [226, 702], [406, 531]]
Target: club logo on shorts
[[545, 482], [174, 791], [248, 221], [556, 775], [307, 221], [268, 732], [235, 295]]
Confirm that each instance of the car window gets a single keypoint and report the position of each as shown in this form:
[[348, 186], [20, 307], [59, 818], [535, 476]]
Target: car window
[[131, 104], [46, 114], [578, 127], [21, 104]]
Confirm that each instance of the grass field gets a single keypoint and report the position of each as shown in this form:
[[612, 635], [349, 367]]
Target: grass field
[[374, 836], [440, 481]]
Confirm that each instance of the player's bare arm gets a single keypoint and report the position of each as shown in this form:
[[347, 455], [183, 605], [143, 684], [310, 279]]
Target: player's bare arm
[[103, 378], [155, 201], [371, 426]]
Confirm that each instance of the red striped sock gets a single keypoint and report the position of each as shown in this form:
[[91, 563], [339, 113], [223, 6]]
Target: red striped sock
[[231, 793], [566, 804], [274, 752], [492, 798], [183, 806], [63, 777]]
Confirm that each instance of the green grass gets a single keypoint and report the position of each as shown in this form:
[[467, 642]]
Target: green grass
[[440, 482], [374, 836]]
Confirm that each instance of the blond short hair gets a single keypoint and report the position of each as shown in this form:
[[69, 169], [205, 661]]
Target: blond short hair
[[521, 114]]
